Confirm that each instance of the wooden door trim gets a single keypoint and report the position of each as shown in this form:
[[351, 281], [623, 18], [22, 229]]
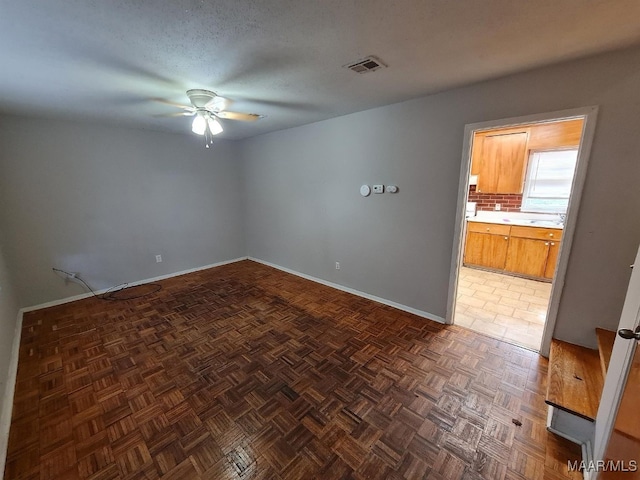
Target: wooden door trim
[[589, 114]]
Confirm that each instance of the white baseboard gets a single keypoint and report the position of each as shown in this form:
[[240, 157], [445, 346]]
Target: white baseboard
[[62, 301], [353, 291], [7, 400]]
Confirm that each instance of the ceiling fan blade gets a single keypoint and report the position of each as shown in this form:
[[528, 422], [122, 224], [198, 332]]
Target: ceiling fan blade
[[177, 114], [218, 104], [243, 117], [173, 104]]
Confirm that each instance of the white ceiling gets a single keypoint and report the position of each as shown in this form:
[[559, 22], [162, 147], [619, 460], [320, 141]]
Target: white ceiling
[[108, 60]]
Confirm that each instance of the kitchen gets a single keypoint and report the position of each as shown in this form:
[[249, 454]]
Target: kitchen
[[519, 187]]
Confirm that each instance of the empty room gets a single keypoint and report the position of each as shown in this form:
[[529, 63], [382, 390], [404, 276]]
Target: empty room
[[319, 240]]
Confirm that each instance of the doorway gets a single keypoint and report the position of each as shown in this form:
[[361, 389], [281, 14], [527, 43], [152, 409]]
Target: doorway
[[519, 194]]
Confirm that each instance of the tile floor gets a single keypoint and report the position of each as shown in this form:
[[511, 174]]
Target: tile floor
[[509, 308]]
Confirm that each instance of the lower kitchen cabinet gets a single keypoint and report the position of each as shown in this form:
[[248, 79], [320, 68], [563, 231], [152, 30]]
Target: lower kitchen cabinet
[[533, 251], [530, 251], [486, 245], [527, 256], [486, 250]]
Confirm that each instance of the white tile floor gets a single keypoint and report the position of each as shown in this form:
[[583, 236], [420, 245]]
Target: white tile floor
[[509, 308]]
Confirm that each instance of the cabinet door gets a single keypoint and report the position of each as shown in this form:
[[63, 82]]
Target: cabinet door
[[527, 256], [552, 259], [502, 163], [486, 250]]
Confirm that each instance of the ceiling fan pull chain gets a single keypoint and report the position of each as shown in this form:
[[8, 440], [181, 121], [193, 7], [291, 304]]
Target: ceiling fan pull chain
[[208, 136]]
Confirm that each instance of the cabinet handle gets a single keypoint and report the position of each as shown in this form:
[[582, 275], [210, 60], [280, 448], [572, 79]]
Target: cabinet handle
[[488, 229], [546, 243], [553, 243], [551, 234], [506, 238]]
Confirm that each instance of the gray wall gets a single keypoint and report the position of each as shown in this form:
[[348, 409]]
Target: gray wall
[[304, 211], [103, 201]]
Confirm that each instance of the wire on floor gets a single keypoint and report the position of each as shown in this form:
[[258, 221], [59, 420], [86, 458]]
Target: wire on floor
[[111, 294]]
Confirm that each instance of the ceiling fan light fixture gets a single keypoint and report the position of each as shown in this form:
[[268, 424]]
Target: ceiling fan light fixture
[[199, 124], [207, 108], [215, 127]]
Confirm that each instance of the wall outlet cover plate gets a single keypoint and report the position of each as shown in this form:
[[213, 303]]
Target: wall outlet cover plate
[[378, 189]]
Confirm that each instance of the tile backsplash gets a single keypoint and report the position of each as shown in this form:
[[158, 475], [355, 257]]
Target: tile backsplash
[[509, 202]]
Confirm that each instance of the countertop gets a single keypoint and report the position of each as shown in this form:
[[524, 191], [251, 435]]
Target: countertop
[[517, 221]]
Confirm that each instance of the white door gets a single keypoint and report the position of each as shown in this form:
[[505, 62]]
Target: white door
[[617, 441]]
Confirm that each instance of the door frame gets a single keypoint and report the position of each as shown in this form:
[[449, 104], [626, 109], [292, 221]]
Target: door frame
[[589, 114]]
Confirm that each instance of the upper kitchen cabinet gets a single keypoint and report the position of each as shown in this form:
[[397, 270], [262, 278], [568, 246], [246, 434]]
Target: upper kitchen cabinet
[[501, 162], [499, 157]]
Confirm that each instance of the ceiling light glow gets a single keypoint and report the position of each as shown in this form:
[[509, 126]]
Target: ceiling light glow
[[199, 124], [214, 126]]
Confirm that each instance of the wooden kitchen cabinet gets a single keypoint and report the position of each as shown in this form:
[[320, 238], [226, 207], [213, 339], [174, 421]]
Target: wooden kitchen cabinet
[[555, 135], [501, 163], [529, 251], [486, 245], [539, 233], [527, 256], [499, 157], [533, 251]]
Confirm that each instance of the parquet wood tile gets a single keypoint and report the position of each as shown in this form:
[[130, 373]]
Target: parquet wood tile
[[246, 372]]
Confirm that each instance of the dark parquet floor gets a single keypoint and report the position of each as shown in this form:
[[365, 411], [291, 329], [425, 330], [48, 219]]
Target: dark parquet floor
[[246, 372]]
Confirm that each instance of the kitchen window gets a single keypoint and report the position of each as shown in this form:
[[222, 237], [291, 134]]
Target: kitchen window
[[548, 182]]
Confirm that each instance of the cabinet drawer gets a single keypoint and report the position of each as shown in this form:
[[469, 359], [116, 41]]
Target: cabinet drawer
[[494, 228], [537, 233]]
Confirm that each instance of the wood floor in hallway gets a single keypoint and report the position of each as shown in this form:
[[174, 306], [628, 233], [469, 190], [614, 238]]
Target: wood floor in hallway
[[247, 372]]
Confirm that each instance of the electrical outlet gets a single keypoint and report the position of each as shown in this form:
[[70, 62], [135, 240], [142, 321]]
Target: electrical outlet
[[337, 265], [158, 258], [378, 189], [498, 207]]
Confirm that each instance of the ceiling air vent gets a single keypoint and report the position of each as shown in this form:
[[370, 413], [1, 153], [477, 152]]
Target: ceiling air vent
[[369, 64]]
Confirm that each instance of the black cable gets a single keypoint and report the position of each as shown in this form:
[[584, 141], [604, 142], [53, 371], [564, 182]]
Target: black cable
[[110, 293]]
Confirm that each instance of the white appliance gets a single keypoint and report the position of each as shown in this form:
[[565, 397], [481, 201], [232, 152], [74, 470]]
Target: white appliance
[[470, 210]]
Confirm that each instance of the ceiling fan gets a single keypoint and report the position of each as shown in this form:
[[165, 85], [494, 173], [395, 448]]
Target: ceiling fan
[[208, 108]]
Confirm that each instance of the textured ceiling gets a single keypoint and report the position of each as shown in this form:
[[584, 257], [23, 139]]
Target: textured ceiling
[[108, 60]]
